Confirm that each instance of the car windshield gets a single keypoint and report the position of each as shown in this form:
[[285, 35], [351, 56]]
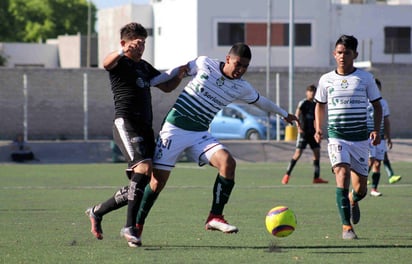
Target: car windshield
[[253, 110]]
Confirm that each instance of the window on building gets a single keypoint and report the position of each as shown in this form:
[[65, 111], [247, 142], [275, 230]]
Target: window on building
[[255, 34], [397, 40], [229, 33]]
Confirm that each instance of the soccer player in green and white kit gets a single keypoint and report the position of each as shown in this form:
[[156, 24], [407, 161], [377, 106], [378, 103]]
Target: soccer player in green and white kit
[[345, 93], [377, 153], [214, 85]]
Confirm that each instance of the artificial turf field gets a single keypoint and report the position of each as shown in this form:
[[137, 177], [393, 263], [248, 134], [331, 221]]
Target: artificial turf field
[[42, 217]]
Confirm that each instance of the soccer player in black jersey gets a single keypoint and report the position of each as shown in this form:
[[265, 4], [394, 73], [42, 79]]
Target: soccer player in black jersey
[[131, 78], [305, 111]]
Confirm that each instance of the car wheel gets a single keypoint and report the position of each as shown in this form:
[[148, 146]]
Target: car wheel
[[252, 134]]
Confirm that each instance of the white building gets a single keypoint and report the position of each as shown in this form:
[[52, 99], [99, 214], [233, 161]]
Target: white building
[[184, 29], [181, 30]]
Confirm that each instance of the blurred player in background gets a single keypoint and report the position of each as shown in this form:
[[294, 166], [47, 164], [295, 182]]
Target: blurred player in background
[[305, 111], [377, 153], [392, 178]]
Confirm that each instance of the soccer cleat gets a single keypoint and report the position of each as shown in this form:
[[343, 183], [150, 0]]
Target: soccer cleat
[[355, 213], [130, 234], [394, 179], [375, 193], [218, 222], [96, 222], [319, 180], [285, 179], [348, 233]]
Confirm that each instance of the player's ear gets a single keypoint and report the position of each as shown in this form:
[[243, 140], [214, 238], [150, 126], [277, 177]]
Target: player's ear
[[227, 59], [355, 55]]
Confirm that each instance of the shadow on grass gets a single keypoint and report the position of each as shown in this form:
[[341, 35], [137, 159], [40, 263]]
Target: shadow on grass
[[274, 248]]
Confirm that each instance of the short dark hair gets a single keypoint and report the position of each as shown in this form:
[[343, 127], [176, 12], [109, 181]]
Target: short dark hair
[[350, 42], [242, 50], [132, 31], [311, 88]]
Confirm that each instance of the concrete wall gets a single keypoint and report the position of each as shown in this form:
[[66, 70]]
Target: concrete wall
[[30, 54], [55, 99]]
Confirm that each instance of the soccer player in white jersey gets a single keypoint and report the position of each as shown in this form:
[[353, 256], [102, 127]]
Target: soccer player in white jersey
[[345, 93], [214, 85], [377, 153]]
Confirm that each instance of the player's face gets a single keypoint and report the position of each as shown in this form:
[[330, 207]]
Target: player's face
[[236, 66], [310, 94], [344, 59]]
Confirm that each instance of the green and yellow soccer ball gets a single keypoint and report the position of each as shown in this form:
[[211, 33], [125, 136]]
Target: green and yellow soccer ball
[[280, 221]]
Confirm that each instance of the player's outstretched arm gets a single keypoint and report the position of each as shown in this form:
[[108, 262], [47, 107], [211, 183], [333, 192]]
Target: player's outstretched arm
[[169, 80], [271, 107]]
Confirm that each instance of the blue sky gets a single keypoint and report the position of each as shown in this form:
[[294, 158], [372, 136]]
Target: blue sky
[[102, 4]]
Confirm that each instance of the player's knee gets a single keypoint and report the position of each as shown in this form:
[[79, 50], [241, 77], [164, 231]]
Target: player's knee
[[144, 167], [228, 167], [158, 180], [156, 185]]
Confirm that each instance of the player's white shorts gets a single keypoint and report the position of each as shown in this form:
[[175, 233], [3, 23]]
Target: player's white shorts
[[354, 153], [377, 152], [172, 141]]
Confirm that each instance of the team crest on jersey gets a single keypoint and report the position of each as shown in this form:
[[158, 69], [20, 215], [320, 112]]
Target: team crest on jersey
[[344, 84], [142, 83], [204, 76], [333, 158], [220, 81]]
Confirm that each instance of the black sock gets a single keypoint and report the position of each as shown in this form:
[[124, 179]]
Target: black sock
[[134, 196], [375, 179], [290, 167], [118, 200], [221, 193], [317, 169]]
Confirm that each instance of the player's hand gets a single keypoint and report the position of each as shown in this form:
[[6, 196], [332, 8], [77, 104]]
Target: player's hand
[[375, 138], [318, 136], [290, 118], [135, 46], [183, 70], [389, 143]]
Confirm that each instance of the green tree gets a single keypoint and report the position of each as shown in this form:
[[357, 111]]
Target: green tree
[[38, 20], [6, 22]]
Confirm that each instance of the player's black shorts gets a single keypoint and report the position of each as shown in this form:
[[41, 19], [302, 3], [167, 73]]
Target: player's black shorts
[[303, 140], [136, 142]]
